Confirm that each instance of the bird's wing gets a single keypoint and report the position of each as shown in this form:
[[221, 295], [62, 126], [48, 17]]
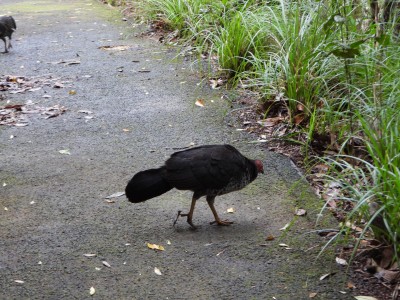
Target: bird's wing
[[205, 168]]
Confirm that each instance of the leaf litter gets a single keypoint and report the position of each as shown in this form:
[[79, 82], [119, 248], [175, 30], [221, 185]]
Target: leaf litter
[[15, 114]]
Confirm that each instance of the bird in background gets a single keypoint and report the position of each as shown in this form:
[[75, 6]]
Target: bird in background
[[209, 170], [7, 27]]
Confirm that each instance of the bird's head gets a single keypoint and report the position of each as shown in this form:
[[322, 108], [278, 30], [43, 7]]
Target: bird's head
[[259, 166]]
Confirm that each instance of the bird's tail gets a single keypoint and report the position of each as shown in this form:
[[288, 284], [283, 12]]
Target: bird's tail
[[146, 185]]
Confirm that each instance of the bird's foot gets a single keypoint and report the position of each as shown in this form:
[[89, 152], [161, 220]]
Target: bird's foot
[[221, 222], [189, 220]]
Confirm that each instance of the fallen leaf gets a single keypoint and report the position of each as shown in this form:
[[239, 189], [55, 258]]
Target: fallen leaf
[[270, 238], [230, 210], [200, 102], [58, 85], [216, 83], [157, 271], [84, 111], [89, 254], [65, 151], [155, 247], [365, 298], [116, 195], [92, 291], [19, 281], [115, 48], [300, 212], [326, 276], [106, 264], [269, 122], [312, 295], [341, 261], [351, 285], [299, 118], [285, 227]]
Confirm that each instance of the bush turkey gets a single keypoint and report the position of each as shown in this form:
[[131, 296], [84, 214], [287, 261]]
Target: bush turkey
[[7, 27], [210, 171]]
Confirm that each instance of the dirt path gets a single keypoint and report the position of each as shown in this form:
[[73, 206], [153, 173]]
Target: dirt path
[[52, 205]]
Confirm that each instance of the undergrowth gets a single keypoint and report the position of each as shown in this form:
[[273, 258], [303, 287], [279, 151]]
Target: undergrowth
[[332, 70]]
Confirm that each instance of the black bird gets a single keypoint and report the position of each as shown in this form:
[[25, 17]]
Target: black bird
[[7, 27], [210, 171]]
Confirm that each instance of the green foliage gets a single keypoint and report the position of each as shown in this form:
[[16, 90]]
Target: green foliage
[[323, 60]]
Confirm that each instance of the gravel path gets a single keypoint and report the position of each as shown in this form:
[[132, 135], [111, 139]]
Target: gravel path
[[127, 111]]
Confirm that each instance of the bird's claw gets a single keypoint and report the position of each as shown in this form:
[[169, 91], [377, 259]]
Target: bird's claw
[[180, 214], [177, 217], [221, 222]]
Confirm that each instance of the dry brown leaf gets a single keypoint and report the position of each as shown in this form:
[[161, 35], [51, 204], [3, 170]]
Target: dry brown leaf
[[300, 107], [271, 121], [351, 285], [270, 238], [312, 295], [299, 118], [115, 48], [199, 102], [155, 247]]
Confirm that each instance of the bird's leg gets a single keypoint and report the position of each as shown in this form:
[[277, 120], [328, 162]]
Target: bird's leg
[[190, 214], [5, 45], [210, 201]]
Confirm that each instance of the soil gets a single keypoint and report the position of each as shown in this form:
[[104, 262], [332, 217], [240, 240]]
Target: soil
[[129, 103]]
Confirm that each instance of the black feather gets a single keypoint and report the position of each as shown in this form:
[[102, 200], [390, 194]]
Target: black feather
[[146, 185]]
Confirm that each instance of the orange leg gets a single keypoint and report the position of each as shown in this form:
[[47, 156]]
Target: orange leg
[[210, 201], [190, 214]]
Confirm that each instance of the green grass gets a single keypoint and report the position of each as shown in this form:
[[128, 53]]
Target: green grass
[[332, 72]]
